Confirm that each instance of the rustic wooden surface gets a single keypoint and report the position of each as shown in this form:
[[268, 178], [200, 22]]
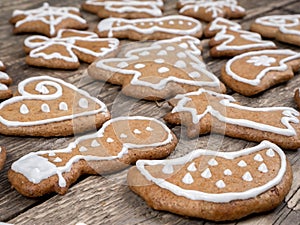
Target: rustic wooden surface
[[107, 200]]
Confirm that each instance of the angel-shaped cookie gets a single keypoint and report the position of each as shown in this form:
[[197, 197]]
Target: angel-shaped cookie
[[253, 72], [66, 49], [47, 20], [205, 111], [49, 106], [159, 71], [5, 80], [228, 39], [216, 186], [119, 143], [130, 9], [208, 10]]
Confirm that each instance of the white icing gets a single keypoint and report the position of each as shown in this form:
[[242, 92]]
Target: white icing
[[95, 144], [188, 179], [263, 168], [180, 64], [137, 131], [159, 61], [220, 184], [195, 74], [212, 162], [149, 129], [270, 153], [3, 87], [262, 60], [109, 140], [83, 149], [57, 160], [206, 173], [123, 135], [170, 48], [258, 158], [83, 103], [192, 167], [247, 176], [122, 65], [144, 53], [45, 108], [162, 52], [227, 172], [51, 153], [139, 66], [242, 163], [3, 75], [63, 106], [168, 169], [23, 109], [163, 69], [181, 55], [213, 197]]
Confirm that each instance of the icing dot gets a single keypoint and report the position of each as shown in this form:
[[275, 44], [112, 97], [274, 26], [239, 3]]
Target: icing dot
[[159, 60], [188, 179], [168, 169], [171, 22], [212, 162], [142, 23], [137, 131], [170, 48], [270, 152], [57, 160], [189, 23], [161, 23], [95, 143], [263, 168], [180, 22], [192, 167], [180, 64], [63, 106], [83, 149], [144, 53], [181, 55], [227, 172], [123, 135], [109, 140], [151, 23], [163, 69], [149, 129], [3, 87], [247, 176], [242, 163], [42, 89], [206, 173], [83, 103], [194, 74], [23, 109], [139, 66], [258, 158], [162, 52], [220, 184], [183, 45], [45, 108], [122, 65], [51, 154]]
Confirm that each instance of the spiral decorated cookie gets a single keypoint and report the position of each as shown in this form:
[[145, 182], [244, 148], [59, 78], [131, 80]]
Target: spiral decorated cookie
[[124, 8], [119, 143], [67, 49], [285, 28], [2, 157], [5, 80], [208, 10], [205, 111], [253, 72], [149, 28], [48, 106], [216, 186], [47, 20], [159, 71], [228, 39]]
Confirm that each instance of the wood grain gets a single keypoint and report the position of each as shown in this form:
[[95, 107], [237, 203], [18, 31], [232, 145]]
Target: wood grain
[[108, 200]]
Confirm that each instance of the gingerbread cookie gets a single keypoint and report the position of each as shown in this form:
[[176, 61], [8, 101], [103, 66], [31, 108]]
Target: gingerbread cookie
[[47, 20], [124, 8], [149, 28], [217, 186], [2, 157], [5, 80], [253, 72], [297, 97], [230, 40], [208, 10], [285, 28], [119, 143], [160, 71], [49, 106], [205, 111], [66, 49]]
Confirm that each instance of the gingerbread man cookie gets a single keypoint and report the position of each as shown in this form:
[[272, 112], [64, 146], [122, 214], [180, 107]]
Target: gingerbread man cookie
[[49, 106], [205, 111], [285, 28], [208, 184], [5, 80], [149, 28], [47, 20], [160, 71], [230, 40], [119, 143], [2, 157], [66, 49], [130, 9], [253, 72], [208, 10]]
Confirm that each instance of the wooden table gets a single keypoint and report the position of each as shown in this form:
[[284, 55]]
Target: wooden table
[[107, 199]]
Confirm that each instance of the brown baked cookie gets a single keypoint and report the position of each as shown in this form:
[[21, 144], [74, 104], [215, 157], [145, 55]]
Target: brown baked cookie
[[149, 28], [5, 80], [209, 10], [67, 49], [119, 143], [253, 72], [2, 157], [47, 20], [205, 112], [297, 97], [230, 40], [217, 186], [49, 106], [159, 71], [124, 9], [285, 28]]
